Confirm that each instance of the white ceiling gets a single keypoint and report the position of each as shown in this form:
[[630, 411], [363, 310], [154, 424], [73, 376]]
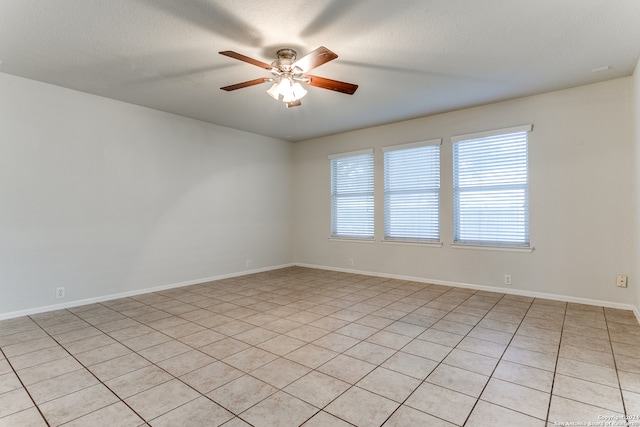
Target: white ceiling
[[411, 58]]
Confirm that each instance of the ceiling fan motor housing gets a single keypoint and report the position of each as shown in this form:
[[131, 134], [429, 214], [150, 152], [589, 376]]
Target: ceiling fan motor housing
[[286, 57]]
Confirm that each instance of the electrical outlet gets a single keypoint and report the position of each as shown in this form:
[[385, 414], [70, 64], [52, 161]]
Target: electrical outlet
[[60, 292], [507, 279], [621, 281], [351, 262], [247, 263]]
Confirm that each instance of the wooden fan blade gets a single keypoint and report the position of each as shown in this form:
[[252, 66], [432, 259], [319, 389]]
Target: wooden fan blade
[[295, 103], [241, 57], [246, 84], [336, 85], [314, 59]]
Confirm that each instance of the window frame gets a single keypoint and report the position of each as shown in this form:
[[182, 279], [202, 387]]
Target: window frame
[[525, 243], [368, 195], [425, 191]]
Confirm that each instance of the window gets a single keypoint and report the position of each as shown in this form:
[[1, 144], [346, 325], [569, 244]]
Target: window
[[412, 192], [352, 195], [490, 188]]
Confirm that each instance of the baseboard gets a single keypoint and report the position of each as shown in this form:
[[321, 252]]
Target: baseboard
[[109, 297], [555, 297]]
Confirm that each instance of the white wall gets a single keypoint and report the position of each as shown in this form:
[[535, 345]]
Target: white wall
[[104, 197], [580, 194]]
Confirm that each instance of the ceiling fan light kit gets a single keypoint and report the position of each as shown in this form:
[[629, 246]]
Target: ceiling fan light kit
[[289, 74]]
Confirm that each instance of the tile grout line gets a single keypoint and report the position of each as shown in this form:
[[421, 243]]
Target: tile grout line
[[499, 359], [615, 366], [24, 388], [595, 364], [395, 351], [151, 362], [170, 374], [438, 363], [555, 367], [442, 360], [201, 394], [221, 361], [86, 368], [351, 386], [453, 348]]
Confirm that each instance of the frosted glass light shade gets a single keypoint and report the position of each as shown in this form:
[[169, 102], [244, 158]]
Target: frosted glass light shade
[[273, 91], [287, 89]]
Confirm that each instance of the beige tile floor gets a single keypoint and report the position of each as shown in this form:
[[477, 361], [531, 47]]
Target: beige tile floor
[[316, 348]]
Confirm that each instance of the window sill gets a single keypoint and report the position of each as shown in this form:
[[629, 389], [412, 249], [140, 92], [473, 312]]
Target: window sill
[[493, 248], [353, 240], [411, 243]]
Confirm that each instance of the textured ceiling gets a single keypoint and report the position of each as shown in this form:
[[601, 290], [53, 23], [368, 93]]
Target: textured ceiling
[[411, 58]]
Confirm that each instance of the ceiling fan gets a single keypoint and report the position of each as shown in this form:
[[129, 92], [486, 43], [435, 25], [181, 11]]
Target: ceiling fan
[[288, 74]]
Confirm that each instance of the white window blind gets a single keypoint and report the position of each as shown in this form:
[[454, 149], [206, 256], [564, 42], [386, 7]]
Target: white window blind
[[352, 195], [491, 189], [412, 192]]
